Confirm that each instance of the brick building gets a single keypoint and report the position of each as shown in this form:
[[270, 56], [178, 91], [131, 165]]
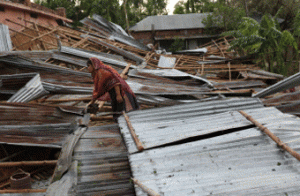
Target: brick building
[[163, 30], [24, 12]]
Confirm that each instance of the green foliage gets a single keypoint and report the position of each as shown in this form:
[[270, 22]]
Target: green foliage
[[177, 45], [296, 24], [193, 6], [266, 40], [111, 10], [224, 17]]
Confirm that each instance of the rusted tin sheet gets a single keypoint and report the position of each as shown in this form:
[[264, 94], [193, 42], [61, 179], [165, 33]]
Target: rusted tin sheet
[[34, 125], [240, 84], [286, 98], [103, 167]]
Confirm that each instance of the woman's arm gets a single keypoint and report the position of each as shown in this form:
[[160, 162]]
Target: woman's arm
[[118, 94]]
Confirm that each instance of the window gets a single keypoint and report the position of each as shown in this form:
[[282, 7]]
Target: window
[[33, 15]]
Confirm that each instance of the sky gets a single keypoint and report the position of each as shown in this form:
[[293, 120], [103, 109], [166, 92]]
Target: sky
[[170, 6]]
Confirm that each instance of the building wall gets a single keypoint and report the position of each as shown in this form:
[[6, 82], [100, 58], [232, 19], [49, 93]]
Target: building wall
[[164, 38], [19, 16]]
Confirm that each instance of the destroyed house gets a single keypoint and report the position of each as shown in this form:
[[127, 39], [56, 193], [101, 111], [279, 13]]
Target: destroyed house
[[16, 12], [163, 30]]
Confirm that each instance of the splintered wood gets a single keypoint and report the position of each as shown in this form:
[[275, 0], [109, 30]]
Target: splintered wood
[[35, 36]]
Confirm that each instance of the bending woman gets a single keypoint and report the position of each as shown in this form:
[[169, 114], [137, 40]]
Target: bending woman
[[108, 80]]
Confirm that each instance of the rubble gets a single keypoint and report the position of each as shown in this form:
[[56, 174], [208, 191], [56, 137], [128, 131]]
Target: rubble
[[185, 99]]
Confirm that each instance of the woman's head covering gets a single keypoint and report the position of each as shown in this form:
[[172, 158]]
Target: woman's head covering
[[97, 64]]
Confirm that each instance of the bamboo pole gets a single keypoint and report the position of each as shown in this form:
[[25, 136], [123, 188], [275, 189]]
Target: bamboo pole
[[27, 163], [229, 71], [80, 42], [125, 70], [133, 134], [23, 191], [32, 38], [272, 136], [69, 100], [146, 189], [38, 33], [99, 118]]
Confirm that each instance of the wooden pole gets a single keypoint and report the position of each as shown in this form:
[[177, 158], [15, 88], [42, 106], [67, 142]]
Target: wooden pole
[[229, 71], [125, 71], [133, 134], [146, 189], [272, 136], [99, 118], [23, 191], [69, 100], [27, 163]]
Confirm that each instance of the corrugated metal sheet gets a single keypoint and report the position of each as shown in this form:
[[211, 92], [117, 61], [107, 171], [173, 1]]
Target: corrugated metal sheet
[[103, 167], [282, 99], [152, 87], [246, 162], [120, 51], [63, 89], [170, 73], [33, 88], [46, 135], [34, 125], [38, 66], [171, 22], [5, 41], [112, 31], [24, 194], [87, 55], [292, 108], [160, 126], [69, 59], [287, 83], [240, 84]]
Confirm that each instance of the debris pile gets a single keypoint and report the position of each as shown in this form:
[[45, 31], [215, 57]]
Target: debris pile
[[45, 87]]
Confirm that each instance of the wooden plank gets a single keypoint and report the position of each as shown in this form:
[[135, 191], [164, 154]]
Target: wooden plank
[[30, 37], [144, 188], [272, 136], [23, 191], [27, 163], [133, 134], [38, 32], [65, 158], [80, 42]]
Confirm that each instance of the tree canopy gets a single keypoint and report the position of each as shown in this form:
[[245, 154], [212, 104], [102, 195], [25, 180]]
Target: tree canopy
[[266, 39], [112, 10]]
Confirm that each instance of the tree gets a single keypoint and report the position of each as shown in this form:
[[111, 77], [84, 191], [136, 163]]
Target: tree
[[264, 39], [109, 9], [193, 6], [224, 17], [288, 13]]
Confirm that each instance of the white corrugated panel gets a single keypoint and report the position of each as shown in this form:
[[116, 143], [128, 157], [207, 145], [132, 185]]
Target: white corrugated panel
[[171, 124], [246, 162]]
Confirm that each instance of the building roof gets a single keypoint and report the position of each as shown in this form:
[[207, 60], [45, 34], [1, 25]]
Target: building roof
[[171, 22], [32, 9], [246, 162], [160, 126]]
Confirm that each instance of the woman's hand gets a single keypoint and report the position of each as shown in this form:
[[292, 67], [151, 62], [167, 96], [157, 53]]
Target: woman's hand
[[119, 98]]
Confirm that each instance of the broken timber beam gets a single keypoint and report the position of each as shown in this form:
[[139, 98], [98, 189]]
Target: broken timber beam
[[133, 134], [27, 163], [146, 189], [32, 38], [23, 191], [272, 136], [125, 71]]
